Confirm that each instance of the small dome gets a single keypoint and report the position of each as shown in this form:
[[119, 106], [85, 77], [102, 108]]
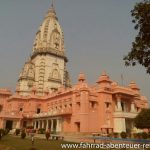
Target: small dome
[[114, 84], [133, 85], [81, 77], [103, 77]]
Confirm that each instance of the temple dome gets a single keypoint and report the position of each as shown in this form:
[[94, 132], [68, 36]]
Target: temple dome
[[103, 78], [81, 77], [133, 86], [50, 35]]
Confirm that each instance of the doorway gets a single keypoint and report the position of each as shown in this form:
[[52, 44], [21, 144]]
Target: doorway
[[77, 126], [9, 124]]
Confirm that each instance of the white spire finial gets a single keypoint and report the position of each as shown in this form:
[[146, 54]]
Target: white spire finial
[[52, 5]]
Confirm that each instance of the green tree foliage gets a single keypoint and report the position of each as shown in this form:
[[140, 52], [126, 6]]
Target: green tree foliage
[[142, 120], [140, 51]]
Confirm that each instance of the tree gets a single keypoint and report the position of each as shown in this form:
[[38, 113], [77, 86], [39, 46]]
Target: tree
[[140, 51], [142, 120]]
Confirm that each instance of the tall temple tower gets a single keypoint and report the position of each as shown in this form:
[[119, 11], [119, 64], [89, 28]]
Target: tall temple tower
[[46, 68]]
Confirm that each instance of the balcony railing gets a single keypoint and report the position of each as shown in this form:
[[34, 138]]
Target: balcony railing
[[54, 113], [125, 114]]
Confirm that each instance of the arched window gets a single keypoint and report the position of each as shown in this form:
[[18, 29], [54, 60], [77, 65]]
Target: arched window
[[55, 74], [55, 39]]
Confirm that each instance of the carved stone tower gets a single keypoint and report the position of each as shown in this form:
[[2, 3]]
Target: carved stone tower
[[46, 68]]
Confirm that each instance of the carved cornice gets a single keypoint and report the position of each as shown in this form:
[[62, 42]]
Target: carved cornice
[[49, 51]]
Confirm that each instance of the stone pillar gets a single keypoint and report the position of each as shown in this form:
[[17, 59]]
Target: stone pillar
[[133, 107], [38, 124], [1, 123], [119, 108], [119, 125], [60, 125], [57, 125], [42, 124], [52, 128], [35, 124], [18, 124], [47, 125]]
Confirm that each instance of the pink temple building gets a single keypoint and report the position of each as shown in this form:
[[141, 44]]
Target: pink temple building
[[44, 97]]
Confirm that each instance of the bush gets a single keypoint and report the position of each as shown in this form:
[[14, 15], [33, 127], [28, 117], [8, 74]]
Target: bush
[[47, 134], [129, 135], [53, 132], [123, 135], [6, 131], [23, 134], [2, 132], [17, 132], [41, 131], [115, 135], [148, 134], [137, 135], [30, 127], [144, 135]]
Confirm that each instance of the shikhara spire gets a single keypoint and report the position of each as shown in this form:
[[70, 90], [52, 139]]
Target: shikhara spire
[[47, 66]]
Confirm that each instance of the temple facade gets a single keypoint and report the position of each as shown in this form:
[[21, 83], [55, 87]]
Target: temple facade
[[44, 97]]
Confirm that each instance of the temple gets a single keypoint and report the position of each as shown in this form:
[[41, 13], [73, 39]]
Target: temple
[[45, 98]]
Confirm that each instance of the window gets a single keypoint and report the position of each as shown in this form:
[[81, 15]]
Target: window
[[78, 105], [107, 104], [54, 89], [21, 109], [55, 74], [38, 110], [92, 104], [122, 105]]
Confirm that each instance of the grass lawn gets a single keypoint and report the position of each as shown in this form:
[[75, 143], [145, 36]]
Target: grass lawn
[[16, 143]]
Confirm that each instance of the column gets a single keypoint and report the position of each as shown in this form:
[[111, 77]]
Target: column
[[35, 122], [119, 108], [2, 123], [57, 125], [18, 124], [42, 124], [52, 125], [47, 125], [119, 105], [38, 124], [60, 125], [132, 107]]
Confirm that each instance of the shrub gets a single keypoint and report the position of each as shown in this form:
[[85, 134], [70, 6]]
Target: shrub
[[123, 135], [17, 132], [115, 135], [41, 131], [23, 134], [137, 135], [47, 134], [129, 135], [148, 134], [2, 132], [53, 132], [30, 127], [110, 135], [6, 131], [144, 135]]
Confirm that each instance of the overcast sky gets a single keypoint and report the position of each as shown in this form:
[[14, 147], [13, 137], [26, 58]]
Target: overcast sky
[[98, 33]]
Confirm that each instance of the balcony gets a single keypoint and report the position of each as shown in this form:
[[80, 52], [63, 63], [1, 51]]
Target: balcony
[[11, 115], [54, 113], [122, 114]]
